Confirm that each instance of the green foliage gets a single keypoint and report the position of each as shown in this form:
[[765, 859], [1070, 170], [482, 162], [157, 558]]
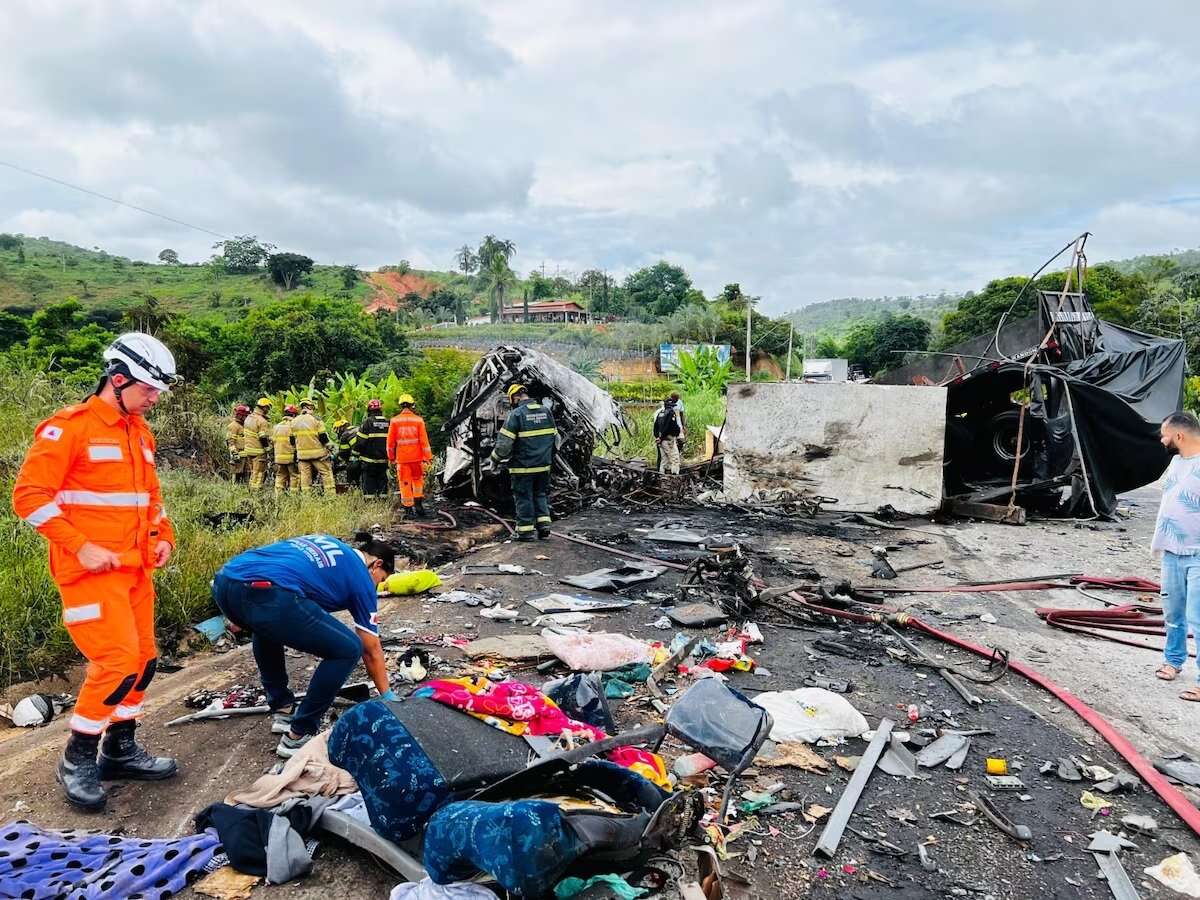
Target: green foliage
[[13, 330], [61, 339], [1113, 295], [871, 343], [350, 276], [10, 242], [493, 247], [701, 372], [700, 411], [244, 254], [288, 269], [288, 342], [1191, 394], [168, 256], [432, 381], [658, 290]]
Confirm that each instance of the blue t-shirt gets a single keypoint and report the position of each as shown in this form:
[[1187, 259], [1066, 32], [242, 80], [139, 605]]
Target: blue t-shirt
[[1178, 527], [322, 568]]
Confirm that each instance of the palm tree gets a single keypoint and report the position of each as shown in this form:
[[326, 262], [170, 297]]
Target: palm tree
[[492, 247], [499, 277]]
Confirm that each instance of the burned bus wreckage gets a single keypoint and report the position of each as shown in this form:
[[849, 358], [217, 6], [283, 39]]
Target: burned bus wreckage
[[1097, 394], [586, 416]]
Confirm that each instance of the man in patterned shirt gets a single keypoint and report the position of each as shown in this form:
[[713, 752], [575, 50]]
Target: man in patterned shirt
[[1177, 537]]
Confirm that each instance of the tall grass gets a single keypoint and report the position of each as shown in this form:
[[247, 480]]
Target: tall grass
[[32, 639], [701, 410]]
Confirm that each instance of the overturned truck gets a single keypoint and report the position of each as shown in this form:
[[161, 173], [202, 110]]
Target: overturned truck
[[1096, 394], [586, 416]]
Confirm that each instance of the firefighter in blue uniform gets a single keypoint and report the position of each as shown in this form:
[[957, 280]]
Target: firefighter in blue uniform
[[526, 445]]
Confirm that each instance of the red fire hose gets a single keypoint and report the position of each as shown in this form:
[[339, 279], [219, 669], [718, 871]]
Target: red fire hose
[[1161, 786]]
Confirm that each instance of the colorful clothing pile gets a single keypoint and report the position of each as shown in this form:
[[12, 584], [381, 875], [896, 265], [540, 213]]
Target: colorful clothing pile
[[511, 706], [77, 864], [519, 708]]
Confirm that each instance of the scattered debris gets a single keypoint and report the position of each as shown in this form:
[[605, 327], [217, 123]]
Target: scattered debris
[[993, 814], [1004, 782], [696, 615], [791, 753], [560, 603], [613, 579], [1140, 824], [509, 646], [988, 619], [943, 750], [1104, 849]]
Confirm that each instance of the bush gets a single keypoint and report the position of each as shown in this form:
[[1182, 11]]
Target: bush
[[700, 409]]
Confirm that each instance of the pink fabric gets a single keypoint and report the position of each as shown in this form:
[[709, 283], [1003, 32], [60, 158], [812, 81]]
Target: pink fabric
[[513, 701]]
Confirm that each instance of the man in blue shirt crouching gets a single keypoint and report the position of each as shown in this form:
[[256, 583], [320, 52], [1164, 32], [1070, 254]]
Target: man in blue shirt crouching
[[283, 593]]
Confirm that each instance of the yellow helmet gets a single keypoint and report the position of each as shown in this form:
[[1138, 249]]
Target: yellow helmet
[[263, 401], [340, 423], [406, 399], [513, 390]]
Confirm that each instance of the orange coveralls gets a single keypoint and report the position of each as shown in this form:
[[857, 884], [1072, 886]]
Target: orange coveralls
[[408, 447], [90, 476]]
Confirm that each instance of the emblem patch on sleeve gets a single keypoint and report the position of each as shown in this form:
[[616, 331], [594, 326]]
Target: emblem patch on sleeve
[[51, 433]]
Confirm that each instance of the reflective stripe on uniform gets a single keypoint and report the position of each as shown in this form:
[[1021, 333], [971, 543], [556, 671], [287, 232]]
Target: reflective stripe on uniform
[[507, 433], [87, 726], [104, 453], [125, 711], [532, 470], [524, 528], [103, 498], [304, 432], [43, 514], [537, 433], [73, 615], [373, 459], [545, 519]]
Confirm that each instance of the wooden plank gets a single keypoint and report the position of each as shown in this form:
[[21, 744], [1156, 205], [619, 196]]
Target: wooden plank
[[989, 512]]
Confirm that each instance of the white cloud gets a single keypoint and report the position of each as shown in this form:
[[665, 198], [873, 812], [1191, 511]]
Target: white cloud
[[805, 151]]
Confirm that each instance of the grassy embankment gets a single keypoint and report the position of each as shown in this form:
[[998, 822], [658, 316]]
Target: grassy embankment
[[54, 271], [32, 639]]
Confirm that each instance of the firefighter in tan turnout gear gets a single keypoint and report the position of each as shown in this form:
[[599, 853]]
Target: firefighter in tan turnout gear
[[256, 438], [312, 448], [287, 475], [233, 441]]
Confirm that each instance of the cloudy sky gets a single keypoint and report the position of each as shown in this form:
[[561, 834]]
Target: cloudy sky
[[806, 150]]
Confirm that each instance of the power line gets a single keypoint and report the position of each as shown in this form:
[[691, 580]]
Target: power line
[[84, 190]]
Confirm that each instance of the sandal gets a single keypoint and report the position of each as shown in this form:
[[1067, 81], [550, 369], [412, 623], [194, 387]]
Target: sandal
[[1192, 695], [1166, 672]]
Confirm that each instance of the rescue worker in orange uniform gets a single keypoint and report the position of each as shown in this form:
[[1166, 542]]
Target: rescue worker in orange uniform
[[90, 487], [408, 447], [287, 472]]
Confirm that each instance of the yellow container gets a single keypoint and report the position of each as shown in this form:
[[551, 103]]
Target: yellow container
[[997, 766]]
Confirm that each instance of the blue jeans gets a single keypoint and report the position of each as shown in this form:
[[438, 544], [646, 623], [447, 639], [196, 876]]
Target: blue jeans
[[1181, 604], [280, 618]]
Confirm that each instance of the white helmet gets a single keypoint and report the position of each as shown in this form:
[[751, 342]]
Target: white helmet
[[142, 358]]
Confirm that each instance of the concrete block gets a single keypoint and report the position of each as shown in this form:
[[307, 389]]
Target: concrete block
[[865, 444]]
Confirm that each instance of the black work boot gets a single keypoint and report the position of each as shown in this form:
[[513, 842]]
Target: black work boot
[[121, 757], [543, 532], [525, 537], [79, 774], [419, 505]]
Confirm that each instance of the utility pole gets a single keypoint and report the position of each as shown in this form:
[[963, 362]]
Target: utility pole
[[791, 330], [748, 308]]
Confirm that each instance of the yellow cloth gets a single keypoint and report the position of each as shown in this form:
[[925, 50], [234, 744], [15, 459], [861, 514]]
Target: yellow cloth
[[417, 581]]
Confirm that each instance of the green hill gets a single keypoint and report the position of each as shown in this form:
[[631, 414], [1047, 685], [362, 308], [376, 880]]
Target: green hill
[[835, 317], [52, 271]]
